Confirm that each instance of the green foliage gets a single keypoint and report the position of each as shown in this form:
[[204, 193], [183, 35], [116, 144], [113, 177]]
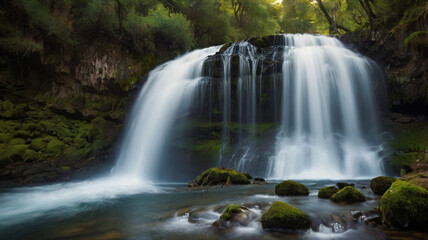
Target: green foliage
[[348, 195], [379, 185], [283, 215], [327, 192], [405, 205], [417, 37], [230, 211], [289, 187]]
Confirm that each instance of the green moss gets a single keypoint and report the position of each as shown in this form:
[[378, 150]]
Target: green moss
[[409, 143], [289, 187], [17, 141], [38, 143], [283, 215], [327, 192], [405, 205], [5, 137], [230, 211], [31, 155], [15, 153], [55, 147], [22, 134], [348, 195], [215, 176], [65, 168], [79, 142], [48, 127], [417, 37], [379, 185]]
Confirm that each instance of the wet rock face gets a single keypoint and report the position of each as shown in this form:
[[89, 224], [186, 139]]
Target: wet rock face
[[405, 205], [289, 188], [284, 216]]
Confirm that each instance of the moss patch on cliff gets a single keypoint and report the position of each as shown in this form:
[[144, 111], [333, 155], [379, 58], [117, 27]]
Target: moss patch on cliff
[[409, 143], [41, 135]]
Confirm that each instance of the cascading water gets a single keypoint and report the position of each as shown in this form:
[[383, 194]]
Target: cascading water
[[329, 126], [323, 96], [167, 93]]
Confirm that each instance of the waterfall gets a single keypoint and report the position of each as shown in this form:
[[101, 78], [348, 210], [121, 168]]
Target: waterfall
[[168, 93], [329, 122], [322, 95]]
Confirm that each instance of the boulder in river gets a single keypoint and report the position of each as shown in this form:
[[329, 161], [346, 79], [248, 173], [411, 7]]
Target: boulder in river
[[259, 180], [405, 205], [348, 195], [289, 188], [379, 185], [341, 185], [327, 192], [234, 215], [217, 176], [284, 216]]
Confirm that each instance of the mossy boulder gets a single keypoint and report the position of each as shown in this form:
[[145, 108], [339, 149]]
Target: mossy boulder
[[216, 176], [348, 195], [405, 205], [283, 215], [379, 185], [234, 215], [289, 188], [230, 211], [327, 192]]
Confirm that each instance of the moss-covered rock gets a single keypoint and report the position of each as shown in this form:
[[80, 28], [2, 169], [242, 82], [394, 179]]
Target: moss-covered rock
[[405, 205], [327, 192], [215, 176], [348, 195], [230, 211], [283, 215], [379, 185], [288, 188], [234, 215]]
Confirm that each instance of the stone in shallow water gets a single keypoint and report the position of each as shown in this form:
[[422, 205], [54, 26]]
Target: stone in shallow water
[[405, 205], [284, 216], [379, 185], [348, 195], [288, 188]]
